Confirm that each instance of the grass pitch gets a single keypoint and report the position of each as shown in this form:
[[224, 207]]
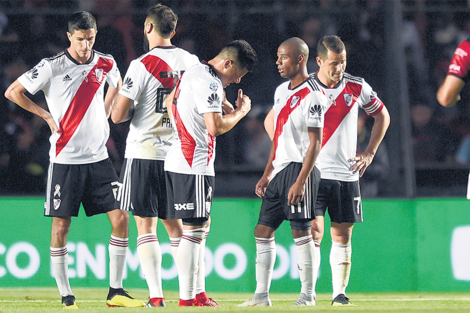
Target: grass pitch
[[93, 300]]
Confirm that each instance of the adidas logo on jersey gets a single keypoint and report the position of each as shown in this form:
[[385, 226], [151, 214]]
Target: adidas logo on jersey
[[67, 78], [128, 83]]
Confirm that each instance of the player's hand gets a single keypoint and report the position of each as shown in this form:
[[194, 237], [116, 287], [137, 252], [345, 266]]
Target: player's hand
[[362, 162], [296, 194], [243, 102], [261, 186], [227, 107], [52, 125]]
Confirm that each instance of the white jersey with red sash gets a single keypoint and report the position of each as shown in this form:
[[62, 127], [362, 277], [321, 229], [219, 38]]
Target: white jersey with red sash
[[295, 111], [75, 97], [192, 152], [340, 131], [148, 81]]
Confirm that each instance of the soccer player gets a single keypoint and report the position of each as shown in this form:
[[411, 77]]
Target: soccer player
[[457, 74], [290, 181], [339, 163], [150, 79], [80, 171], [197, 108]]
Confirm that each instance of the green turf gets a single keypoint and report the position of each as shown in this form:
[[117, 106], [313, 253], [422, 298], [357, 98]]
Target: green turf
[[93, 300]]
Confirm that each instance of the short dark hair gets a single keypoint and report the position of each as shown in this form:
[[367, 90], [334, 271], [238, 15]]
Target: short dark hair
[[332, 43], [81, 21], [244, 54], [163, 18]]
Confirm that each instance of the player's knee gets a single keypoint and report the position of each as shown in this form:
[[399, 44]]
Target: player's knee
[[263, 231]]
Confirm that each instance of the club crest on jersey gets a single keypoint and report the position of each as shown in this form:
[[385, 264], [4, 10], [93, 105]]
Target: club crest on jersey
[[99, 74], [348, 98], [213, 99], [213, 86], [128, 83], [331, 100], [56, 204], [294, 101]]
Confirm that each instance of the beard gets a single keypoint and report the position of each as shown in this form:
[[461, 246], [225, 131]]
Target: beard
[[146, 44]]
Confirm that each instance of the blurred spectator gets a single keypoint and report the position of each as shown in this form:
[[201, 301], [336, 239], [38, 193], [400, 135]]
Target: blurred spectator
[[431, 141], [373, 182], [257, 144]]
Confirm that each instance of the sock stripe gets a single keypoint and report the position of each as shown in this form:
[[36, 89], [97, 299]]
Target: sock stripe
[[264, 241], [119, 242], [60, 252], [192, 239], [303, 241], [175, 242], [146, 239]]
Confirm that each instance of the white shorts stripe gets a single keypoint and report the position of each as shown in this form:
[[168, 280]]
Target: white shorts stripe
[[125, 190], [47, 205]]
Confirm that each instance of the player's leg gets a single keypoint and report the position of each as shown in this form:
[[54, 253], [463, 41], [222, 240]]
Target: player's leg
[[306, 262], [340, 261], [270, 218], [346, 212], [100, 196], [150, 257], [201, 296], [64, 191], [174, 229]]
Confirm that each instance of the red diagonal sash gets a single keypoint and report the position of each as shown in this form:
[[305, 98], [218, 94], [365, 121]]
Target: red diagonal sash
[[292, 103], [81, 102], [337, 112]]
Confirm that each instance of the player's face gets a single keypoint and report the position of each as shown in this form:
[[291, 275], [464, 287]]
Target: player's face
[[287, 63], [233, 75], [81, 44], [333, 67]]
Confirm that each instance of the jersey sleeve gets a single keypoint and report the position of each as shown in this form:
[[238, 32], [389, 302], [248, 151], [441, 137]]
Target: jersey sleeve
[[36, 78], [369, 100], [460, 63], [317, 104], [113, 76], [209, 94], [133, 83]]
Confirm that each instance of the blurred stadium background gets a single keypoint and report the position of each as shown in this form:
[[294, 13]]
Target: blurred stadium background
[[410, 242]]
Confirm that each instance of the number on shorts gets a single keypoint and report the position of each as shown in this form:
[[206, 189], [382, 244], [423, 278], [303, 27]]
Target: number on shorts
[[358, 205]]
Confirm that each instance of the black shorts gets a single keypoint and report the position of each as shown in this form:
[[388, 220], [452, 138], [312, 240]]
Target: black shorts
[[93, 184], [189, 196], [342, 199], [274, 209], [142, 188]]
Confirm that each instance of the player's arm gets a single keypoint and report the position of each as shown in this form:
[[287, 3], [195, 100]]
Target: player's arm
[[449, 92], [16, 94], [363, 160], [218, 124], [110, 96], [121, 109], [269, 124], [297, 190]]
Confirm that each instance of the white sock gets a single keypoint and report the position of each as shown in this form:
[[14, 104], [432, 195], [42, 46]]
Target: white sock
[[201, 273], [265, 258], [60, 266], [174, 242], [317, 263], [117, 260], [187, 261], [150, 257], [340, 262], [306, 264]]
